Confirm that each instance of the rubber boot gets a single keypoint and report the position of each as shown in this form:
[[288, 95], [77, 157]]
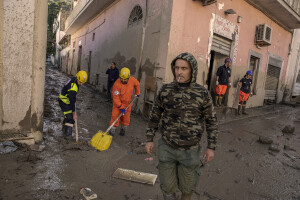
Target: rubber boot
[[68, 131], [220, 101], [186, 196], [123, 130], [170, 196], [112, 131], [244, 110], [216, 101], [239, 110]]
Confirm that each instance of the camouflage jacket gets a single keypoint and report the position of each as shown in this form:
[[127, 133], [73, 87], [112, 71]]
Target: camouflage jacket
[[182, 113]]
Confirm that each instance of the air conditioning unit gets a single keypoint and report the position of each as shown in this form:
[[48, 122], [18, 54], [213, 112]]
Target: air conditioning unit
[[207, 2], [263, 34]]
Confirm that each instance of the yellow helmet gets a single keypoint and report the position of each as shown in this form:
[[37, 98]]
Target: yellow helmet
[[82, 76], [124, 73]]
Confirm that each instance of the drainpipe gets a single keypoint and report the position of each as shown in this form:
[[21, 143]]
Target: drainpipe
[[142, 45]]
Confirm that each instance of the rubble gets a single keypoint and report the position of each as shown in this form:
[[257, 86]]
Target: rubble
[[274, 147], [7, 147], [288, 129], [265, 140]]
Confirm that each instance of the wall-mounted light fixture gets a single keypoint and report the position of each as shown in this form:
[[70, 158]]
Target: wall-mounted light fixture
[[229, 11], [239, 19]]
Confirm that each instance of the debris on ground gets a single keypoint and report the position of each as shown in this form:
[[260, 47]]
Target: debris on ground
[[135, 176], [287, 147], [36, 147], [274, 147], [265, 140], [7, 147], [288, 129], [88, 194]]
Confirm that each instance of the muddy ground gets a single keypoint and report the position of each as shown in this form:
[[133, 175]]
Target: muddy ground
[[243, 169]]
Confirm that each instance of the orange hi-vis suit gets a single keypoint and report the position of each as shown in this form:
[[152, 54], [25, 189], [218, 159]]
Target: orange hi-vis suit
[[122, 96]]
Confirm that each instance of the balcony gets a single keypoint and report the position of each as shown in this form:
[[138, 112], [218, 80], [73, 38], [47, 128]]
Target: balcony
[[83, 12], [285, 12]]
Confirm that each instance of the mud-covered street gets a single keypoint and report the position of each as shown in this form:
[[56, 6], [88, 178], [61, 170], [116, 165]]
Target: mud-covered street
[[243, 168]]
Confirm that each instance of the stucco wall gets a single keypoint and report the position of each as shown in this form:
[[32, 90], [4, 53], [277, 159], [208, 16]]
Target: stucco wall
[[192, 28], [141, 47], [24, 39], [1, 61]]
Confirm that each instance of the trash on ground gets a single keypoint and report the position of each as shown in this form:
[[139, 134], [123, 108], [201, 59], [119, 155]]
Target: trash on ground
[[88, 194], [150, 158], [7, 147], [135, 176]]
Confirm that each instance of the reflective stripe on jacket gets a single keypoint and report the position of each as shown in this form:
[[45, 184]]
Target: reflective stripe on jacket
[[69, 92]]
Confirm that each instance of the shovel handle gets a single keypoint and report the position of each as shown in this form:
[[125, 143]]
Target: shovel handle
[[120, 115]]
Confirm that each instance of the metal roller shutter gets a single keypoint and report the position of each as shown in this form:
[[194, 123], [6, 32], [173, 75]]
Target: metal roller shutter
[[221, 45], [272, 80]]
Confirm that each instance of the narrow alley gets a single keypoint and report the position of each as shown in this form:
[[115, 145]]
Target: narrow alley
[[243, 168]]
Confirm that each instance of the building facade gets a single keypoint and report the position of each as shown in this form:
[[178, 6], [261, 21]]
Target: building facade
[[145, 35], [23, 37]]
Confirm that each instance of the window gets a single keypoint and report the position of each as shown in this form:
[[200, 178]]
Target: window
[[136, 15], [254, 65], [93, 38]]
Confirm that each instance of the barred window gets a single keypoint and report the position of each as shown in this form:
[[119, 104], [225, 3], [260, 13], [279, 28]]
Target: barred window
[[136, 15]]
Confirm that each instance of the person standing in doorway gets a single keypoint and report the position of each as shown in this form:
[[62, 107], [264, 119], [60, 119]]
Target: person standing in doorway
[[67, 100], [181, 111], [122, 95], [223, 80], [113, 75], [245, 85]]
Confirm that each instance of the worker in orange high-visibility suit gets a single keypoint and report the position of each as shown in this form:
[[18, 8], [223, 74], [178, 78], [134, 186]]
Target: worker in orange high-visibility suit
[[122, 94]]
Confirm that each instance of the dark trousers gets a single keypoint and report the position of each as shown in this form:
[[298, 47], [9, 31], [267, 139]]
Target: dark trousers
[[109, 87], [67, 110]]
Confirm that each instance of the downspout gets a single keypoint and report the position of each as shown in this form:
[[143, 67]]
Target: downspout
[[139, 73], [142, 45]]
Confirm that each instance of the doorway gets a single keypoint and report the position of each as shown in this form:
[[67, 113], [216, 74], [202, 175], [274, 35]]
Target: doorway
[[216, 60]]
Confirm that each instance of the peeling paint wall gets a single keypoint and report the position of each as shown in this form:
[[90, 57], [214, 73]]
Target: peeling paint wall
[[24, 39], [192, 29]]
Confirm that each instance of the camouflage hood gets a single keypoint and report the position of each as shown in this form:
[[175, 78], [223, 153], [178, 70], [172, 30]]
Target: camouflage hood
[[189, 58]]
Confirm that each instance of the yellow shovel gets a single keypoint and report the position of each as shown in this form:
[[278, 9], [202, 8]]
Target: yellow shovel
[[102, 140]]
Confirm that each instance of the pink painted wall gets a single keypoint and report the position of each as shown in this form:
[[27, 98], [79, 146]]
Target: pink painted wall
[[192, 26]]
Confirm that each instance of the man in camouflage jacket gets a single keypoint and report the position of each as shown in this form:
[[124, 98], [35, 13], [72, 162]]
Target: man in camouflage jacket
[[181, 110]]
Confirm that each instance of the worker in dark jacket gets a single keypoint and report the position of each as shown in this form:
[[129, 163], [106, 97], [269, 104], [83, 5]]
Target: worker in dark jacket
[[223, 80], [245, 90], [67, 100], [182, 111], [113, 75]]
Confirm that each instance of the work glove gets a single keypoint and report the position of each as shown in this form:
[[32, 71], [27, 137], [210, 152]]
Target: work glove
[[229, 84], [137, 96], [217, 83], [251, 94], [123, 111]]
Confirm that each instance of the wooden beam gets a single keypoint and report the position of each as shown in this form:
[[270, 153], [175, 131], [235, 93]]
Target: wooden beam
[[135, 176]]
